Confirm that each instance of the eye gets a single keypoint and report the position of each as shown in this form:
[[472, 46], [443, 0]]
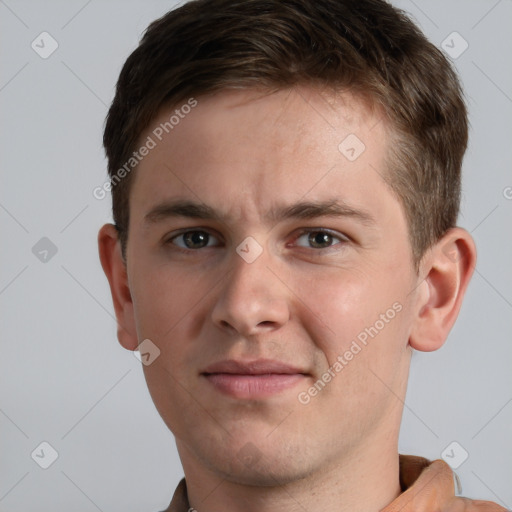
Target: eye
[[196, 239], [319, 239]]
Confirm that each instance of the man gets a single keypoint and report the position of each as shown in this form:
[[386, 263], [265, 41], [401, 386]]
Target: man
[[286, 182]]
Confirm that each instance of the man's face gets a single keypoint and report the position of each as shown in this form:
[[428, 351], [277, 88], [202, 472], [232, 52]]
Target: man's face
[[269, 240]]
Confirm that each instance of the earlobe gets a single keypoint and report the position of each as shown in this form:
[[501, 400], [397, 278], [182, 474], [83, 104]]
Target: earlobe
[[115, 270], [448, 268]]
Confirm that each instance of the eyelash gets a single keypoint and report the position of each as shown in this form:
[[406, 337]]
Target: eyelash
[[342, 239]]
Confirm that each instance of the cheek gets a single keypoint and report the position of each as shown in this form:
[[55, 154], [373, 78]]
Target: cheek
[[357, 329], [341, 301], [162, 297], [168, 307], [355, 316]]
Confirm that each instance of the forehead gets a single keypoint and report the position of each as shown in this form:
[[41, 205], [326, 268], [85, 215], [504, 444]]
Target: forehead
[[280, 117], [241, 149]]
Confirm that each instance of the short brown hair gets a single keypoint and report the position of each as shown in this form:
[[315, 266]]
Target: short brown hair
[[365, 46]]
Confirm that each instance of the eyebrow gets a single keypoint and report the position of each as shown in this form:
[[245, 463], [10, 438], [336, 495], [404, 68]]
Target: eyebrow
[[300, 210]]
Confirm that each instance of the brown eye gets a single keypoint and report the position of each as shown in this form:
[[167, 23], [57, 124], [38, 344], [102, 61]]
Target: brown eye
[[193, 239], [319, 239]]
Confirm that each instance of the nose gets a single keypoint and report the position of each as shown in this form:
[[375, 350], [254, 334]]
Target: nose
[[252, 299]]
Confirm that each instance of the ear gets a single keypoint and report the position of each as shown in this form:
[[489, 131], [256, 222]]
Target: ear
[[114, 267], [448, 267]]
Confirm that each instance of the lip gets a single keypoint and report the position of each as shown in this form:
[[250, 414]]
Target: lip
[[254, 367], [259, 378]]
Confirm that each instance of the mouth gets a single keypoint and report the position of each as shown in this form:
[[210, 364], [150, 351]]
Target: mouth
[[253, 379]]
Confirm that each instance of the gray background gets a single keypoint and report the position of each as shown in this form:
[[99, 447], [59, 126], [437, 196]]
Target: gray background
[[64, 377]]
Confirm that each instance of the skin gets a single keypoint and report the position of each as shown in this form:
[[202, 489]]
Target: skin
[[245, 154]]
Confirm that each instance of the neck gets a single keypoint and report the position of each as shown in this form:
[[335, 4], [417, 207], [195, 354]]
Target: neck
[[367, 479]]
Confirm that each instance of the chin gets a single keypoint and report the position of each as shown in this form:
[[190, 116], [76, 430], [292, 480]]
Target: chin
[[268, 466]]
